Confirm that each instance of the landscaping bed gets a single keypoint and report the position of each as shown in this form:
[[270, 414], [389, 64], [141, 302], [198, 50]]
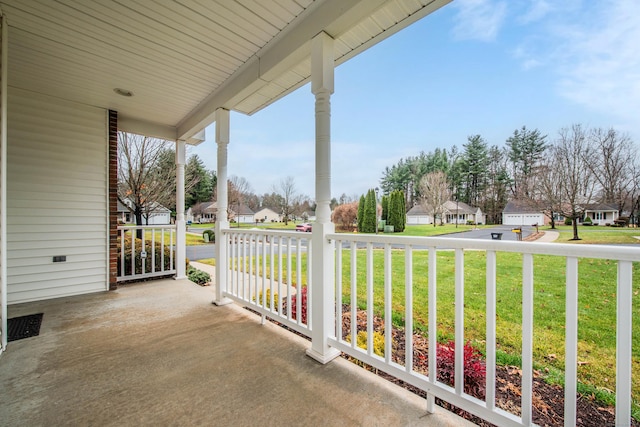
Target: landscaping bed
[[548, 399]]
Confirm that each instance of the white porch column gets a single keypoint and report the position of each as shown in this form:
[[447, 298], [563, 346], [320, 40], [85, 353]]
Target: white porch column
[[222, 223], [323, 286], [181, 229]]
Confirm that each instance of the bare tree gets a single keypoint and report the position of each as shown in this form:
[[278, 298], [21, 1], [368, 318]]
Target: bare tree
[[435, 191], [286, 188], [143, 176], [571, 164], [612, 165], [238, 190], [548, 191]]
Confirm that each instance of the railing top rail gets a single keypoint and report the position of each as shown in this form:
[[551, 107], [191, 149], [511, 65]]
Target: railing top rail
[[616, 252], [260, 232], [145, 227]]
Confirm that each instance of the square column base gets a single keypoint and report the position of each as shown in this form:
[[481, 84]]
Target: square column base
[[323, 358], [223, 301]]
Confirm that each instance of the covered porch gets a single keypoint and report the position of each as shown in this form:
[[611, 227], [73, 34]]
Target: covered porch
[[159, 353]]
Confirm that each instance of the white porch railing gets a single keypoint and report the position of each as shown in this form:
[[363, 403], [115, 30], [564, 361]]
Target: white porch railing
[[146, 251], [252, 253], [267, 273]]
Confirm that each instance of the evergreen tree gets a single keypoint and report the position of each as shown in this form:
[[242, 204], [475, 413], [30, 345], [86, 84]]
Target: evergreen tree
[[385, 207], [396, 211], [360, 214], [475, 161], [369, 220], [525, 149], [202, 189]]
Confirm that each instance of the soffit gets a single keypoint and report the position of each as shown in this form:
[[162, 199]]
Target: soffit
[[182, 59]]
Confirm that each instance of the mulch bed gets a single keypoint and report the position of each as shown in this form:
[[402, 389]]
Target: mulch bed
[[548, 400]]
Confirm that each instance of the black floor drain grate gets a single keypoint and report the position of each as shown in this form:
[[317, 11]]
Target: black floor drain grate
[[24, 327]]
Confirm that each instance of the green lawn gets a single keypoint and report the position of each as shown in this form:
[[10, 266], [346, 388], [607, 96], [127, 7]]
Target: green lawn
[[430, 230], [597, 234]]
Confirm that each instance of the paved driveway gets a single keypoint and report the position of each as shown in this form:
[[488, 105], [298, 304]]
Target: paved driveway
[[485, 233]]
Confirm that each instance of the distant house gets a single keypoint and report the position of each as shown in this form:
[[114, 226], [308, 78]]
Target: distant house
[[203, 212], [418, 215], [462, 213], [244, 215], [155, 215], [266, 215], [520, 212], [453, 213], [601, 213]]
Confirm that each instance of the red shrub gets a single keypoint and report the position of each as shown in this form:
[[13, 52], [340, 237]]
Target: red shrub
[[474, 368], [294, 306]]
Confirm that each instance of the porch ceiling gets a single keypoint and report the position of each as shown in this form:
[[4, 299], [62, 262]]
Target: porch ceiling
[[183, 59]]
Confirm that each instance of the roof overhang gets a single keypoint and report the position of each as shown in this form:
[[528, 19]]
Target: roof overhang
[[181, 61]]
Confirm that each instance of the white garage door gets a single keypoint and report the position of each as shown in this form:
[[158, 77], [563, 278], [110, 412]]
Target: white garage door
[[522, 219]]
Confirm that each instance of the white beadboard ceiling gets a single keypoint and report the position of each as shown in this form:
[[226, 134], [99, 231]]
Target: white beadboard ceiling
[[183, 59]]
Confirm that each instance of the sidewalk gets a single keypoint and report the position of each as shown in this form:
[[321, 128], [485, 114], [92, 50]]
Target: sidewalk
[[547, 237]]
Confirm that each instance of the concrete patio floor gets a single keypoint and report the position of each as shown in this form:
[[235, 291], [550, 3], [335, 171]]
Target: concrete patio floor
[[159, 353]]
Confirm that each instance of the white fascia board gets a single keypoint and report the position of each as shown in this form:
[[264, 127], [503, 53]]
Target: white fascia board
[[142, 127]]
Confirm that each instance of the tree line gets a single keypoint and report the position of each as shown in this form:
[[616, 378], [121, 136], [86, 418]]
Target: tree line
[[561, 175]]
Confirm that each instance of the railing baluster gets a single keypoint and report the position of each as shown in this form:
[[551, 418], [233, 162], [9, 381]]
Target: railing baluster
[[354, 295], [272, 274], [153, 250], [408, 307], [162, 245], [571, 342], [369, 270], [309, 284], [623, 343], [527, 338], [388, 328], [133, 252], [459, 321], [299, 281], [433, 325], [490, 387], [171, 261], [338, 280], [123, 249], [289, 278]]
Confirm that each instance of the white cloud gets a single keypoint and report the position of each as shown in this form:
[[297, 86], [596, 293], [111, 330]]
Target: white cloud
[[599, 60], [479, 19], [538, 9]]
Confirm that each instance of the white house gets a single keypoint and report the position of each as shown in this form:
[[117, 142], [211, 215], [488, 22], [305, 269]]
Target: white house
[[267, 215], [601, 213], [457, 212]]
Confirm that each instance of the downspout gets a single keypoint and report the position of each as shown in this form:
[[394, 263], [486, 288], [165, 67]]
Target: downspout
[[3, 179]]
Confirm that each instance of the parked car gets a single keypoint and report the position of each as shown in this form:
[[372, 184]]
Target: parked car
[[306, 227]]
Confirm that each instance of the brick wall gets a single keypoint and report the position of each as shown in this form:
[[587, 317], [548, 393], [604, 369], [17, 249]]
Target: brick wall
[[113, 200]]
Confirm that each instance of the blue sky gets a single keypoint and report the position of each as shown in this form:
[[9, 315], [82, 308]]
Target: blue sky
[[482, 67]]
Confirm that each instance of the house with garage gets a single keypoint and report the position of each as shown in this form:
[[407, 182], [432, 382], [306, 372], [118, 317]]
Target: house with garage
[[418, 215], [522, 212], [242, 214]]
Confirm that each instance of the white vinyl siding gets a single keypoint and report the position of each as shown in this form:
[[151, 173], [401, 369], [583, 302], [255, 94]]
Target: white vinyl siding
[[57, 197]]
